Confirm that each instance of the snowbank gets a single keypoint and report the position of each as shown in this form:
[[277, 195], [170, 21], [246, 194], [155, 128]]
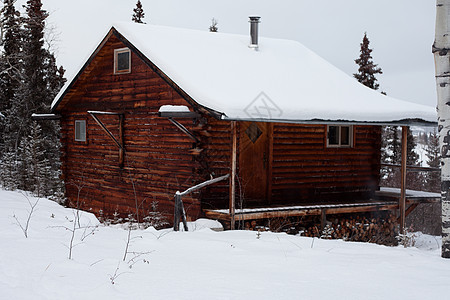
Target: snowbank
[[200, 264]]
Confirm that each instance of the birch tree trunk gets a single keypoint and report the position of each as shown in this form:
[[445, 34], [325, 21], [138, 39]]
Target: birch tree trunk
[[441, 52]]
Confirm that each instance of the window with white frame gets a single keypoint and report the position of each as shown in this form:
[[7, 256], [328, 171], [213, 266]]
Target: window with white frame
[[80, 130], [339, 136], [122, 61]]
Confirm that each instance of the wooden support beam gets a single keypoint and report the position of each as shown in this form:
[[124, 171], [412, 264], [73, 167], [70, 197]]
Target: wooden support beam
[[402, 200], [100, 123], [183, 214], [120, 140], [411, 208], [323, 219], [301, 212], [176, 213], [232, 206], [184, 130], [270, 163], [179, 212]]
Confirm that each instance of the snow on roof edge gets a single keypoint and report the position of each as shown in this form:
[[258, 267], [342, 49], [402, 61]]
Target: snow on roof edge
[[403, 122]]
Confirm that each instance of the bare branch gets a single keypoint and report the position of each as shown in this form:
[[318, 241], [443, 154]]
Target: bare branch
[[30, 213]]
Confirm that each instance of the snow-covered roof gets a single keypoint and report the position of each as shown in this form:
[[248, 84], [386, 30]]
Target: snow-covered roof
[[281, 81]]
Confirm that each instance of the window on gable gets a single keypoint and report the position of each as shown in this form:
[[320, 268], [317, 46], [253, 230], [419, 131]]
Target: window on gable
[[122, 61], [339, 136], [80, 130]]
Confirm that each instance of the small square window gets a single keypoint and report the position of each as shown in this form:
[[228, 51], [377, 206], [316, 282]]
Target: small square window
[[80, 130], [339, 136], [122, 61]]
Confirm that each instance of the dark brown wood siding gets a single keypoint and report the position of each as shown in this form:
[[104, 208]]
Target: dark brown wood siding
[[157, 159], [305, 170], [215, 160]]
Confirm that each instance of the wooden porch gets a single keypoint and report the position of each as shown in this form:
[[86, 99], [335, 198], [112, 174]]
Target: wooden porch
[[402, 200], [385, 199]]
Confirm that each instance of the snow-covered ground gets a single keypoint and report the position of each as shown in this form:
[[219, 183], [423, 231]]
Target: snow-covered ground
[[201, 264]]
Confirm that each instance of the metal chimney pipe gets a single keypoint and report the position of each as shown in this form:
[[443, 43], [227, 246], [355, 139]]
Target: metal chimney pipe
[[254, 21]]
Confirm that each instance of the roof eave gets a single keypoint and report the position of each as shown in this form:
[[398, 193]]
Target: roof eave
[[403, 122], [67, 88]]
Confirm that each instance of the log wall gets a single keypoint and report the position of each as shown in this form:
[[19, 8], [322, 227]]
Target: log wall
[[304, 169], [157, 159], [216, 158]]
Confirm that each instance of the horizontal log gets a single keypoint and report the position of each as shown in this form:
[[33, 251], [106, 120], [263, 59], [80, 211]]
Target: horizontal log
[[299, 212]]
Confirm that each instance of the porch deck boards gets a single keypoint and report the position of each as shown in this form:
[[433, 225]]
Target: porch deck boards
[[385, 199]]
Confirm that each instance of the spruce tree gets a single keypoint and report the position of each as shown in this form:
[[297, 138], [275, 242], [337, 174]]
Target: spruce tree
[[412, 158], [10, 59], [40, 81], [414, 180], [433, 160], [138, 13], [35, 166], [8, 170], [391, 153], [10, 64], [367, 69], [396, 146]]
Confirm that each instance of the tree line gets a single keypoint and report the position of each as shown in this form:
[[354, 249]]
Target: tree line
[[29, 81]]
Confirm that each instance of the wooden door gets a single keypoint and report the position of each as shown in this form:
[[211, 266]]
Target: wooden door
[[254, 161]]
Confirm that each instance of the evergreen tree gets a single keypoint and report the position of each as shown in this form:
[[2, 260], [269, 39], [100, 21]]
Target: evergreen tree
[[32, 150], [433, 160], [34, 166], [213, 27], [138, 13], [8, 170], [10, 63], [10, 59], [412, 158], [391, 154], [414, 180], [395, 146], [367, 69]]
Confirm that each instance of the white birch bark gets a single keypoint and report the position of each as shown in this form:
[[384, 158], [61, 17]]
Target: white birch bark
[[441, 51]]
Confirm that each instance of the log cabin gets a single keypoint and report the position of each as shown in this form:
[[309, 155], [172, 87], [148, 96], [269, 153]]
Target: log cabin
[[155, 110]]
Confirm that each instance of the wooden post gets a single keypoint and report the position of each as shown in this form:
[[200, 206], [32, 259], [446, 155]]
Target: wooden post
[[176, 213], [179, 212], [183, 213], [179, 207], [323, 219], [233, 174], [270, 164], [402, 200]]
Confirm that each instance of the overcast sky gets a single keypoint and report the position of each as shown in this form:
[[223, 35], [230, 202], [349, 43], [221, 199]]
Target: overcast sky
[[401, 32]]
